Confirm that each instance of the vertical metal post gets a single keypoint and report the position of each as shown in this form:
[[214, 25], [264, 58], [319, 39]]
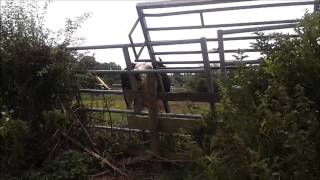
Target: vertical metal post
[[147, 38], [316, 7], [221, 52], [206, 63], [202, 20], [129, 68]]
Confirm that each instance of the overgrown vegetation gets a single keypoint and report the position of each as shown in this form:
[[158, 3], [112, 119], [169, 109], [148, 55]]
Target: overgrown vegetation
[[37, 80], [269, 114]]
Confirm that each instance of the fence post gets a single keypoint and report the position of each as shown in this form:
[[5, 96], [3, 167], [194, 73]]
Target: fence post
[[130, 74], [221, 52], [316, 7], [154, 123], [207, 67]]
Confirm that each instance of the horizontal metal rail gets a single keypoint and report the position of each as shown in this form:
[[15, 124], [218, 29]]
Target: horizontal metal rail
[[114, 128], [170, 96], [257, 29], [167, 42], [234, 51], [150, 71], [210, 52], [222, 25], [99, 91], [177, 52], [192, 116], [228, 63], [169, 4], [230, 8]]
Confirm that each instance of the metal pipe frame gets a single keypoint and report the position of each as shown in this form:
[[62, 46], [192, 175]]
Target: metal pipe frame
[[170, 4], [222, 25], [261, 28], [192, 116], [131, 40], [230, 8], [192, 62], [167, 42], [121, 129], [150, 71]]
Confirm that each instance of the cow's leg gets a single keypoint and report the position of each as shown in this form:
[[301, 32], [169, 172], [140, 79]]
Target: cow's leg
[[161, 105], [139, 104], [128, 101]]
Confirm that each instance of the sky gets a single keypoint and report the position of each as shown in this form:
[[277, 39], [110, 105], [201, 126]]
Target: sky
[[111, 21]]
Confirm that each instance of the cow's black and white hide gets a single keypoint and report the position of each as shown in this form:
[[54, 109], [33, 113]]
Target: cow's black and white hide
[[139, 103]]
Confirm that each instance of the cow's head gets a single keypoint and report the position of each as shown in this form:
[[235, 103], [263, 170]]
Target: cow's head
[[141, 78], [159, 64]]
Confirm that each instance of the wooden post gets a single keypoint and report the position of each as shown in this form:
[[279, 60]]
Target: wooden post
[[151, 95]]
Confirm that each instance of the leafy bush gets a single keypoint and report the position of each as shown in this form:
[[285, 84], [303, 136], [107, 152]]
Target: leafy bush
[[269, 114], [12, 136], [71, 165], [37, 76]]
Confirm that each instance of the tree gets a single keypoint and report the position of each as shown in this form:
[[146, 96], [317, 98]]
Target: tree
[[37, 76]]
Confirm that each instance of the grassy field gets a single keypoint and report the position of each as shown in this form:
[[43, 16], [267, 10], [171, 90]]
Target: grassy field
[[117, 102]]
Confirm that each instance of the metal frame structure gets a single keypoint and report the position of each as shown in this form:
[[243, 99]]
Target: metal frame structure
[[207, 68]]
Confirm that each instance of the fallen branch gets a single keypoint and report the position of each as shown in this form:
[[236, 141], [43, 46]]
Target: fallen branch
[[97, 156], [99, 174], [163, 159], [135, 160]]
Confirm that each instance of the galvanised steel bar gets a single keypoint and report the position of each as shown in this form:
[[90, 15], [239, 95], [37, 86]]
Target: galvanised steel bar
[[230, 8], [121, 129], [221, 52], [100, 91], [181, 67], [201, 18], [228, 63], [177, 52], [150, 71], [174, 42], [140, 52], [261, 28], [316, 6], [109, 46], [164, 43], [132, 78], [193, 116], [129, 68], [131, 40], [147, 39], [169, 4], [199, 62], [246, 38], [208, 72], [222, 25], [233, 51]]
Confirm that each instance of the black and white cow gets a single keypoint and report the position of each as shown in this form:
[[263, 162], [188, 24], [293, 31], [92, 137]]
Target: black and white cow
[[141, 84]]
